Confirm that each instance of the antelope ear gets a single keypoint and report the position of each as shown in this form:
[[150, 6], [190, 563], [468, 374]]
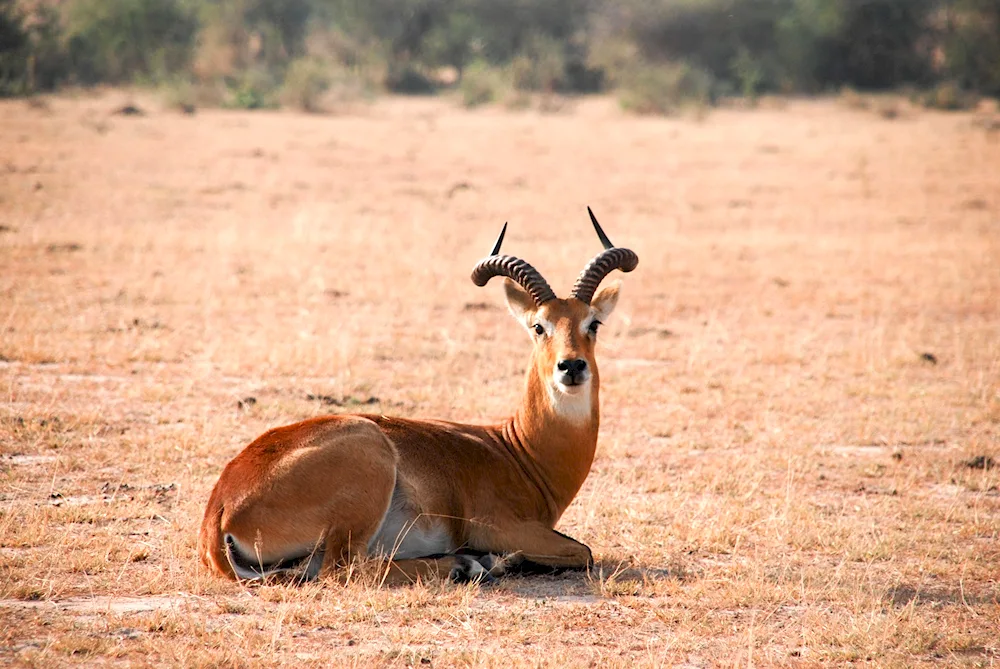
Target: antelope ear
[[519, 302], [605, 300]]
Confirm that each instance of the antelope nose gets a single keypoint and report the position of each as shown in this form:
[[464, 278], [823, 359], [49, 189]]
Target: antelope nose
[[572, 367]]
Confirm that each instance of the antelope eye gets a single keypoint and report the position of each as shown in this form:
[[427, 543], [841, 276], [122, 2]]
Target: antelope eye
[[592, 328], [539, 330]]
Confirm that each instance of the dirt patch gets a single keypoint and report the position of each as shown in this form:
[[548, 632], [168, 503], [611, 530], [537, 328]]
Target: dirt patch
[[100, 605], [27, 460]]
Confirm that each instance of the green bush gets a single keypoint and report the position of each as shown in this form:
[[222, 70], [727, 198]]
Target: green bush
[[236, 35], [255, 88], [180, 94], [882, 44], [615, 57], [450, 42], [541, 66], [666, 89], [120, 40], [750, 73], [948, 96], [32, 57], [972, 47], [806, 36], [808, 45], [14, 50], [348, 86], [407, 79], [710, 35], [482, 84], [49, 65], [305, 83]]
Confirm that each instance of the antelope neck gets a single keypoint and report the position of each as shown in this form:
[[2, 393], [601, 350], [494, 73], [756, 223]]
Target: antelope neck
[[555, 451]]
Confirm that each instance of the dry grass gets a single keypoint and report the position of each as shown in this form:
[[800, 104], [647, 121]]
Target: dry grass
[[783, 478]]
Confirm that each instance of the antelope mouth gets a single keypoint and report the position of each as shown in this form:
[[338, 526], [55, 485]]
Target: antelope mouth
[[572, 384]]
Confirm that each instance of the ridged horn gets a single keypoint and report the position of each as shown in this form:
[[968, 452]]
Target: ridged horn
[[605, 262], [512, 268]]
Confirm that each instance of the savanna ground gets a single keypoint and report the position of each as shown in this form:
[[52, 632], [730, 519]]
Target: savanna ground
[[801, 385]]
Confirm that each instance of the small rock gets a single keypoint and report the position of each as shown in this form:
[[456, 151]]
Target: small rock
[[983, 462], [458, 187], [129, 110], [63, 248], [329, 400], [478, 306]]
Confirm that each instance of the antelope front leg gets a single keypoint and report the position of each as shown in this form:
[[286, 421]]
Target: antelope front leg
[[528, 546]]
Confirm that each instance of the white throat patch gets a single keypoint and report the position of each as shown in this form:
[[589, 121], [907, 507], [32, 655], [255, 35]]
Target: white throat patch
[[574, 407]]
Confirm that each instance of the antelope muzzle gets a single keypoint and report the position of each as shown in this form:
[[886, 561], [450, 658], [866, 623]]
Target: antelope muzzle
[[570, 373]]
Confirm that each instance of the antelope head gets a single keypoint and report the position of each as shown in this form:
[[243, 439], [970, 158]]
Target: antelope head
[[564, 331]]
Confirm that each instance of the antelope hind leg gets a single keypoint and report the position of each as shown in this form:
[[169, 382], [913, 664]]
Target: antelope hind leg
[[315, 499]]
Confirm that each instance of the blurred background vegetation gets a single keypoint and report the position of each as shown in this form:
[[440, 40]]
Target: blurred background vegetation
[[657, 55]]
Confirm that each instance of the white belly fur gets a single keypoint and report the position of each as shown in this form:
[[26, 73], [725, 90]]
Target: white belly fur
[[403, 536]]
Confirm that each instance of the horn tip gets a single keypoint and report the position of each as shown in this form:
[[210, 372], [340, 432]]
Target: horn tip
[[600, 232], [496, 246]]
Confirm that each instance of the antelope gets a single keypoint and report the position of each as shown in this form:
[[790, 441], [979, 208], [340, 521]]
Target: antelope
[[433, 498]]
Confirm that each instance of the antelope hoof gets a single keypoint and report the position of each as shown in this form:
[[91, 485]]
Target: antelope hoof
[[470, 570]]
